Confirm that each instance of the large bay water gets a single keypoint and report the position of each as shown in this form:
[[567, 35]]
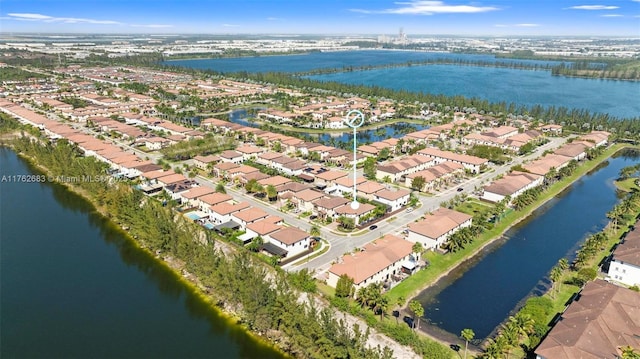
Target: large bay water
[[334, 60], [522, 87], [481, 293], [73, 287]]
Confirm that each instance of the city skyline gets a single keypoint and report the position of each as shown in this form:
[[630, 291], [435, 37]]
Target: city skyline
[[332, 17]]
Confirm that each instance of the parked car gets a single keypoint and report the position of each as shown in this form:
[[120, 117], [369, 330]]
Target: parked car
[[460, 189], [409, 209], [373, 227]]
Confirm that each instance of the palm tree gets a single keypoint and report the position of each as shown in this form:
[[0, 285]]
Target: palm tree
[[468, 335], [220, 188], [555, 275], [382, 305], [523, 324], [629, 353], [417, 249], [418, 311]]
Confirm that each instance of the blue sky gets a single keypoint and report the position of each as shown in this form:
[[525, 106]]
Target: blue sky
[[340, 17]]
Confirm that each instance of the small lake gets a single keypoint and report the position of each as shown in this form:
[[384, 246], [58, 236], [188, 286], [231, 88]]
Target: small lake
[[396, 130], [72, 286], [484, 291]]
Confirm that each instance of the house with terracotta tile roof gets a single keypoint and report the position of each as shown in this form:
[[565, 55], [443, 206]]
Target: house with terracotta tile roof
[[441, 174], [394, 199], [600, 138], [231, 156], [326, 206], [602, 319], [575, 150], [193, 194], [551, 129], [222, 169], [203, 162], [625, 261], [292, 240], [249, 152], [435, 228], [543, 165], [368, 189], [357, 214], [275, 181], [249, 215], [205, 202], [304, 199], [378, 262], [262, 228], [222, 212], [512, 184], [344, 185], [470, 163]]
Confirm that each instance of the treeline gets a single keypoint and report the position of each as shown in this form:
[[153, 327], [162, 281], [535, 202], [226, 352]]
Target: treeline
[[9, 74], [265, 300], [439, 61], [184, 150], [574, 120], [606, 71]]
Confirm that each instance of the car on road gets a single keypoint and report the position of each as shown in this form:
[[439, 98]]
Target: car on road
[[372, 228], [460, 189]]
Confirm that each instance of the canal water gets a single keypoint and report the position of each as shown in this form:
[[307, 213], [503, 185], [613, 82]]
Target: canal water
[[72, 286], [484, 291]]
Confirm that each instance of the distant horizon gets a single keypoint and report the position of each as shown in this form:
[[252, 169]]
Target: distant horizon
[[64, 35], [602, 18]]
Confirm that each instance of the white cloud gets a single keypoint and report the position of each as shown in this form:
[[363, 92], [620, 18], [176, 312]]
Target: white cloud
[[424, 7], [594, 7], [230, 25], [612, 15], [516, 25], [66, 20], [152, 26], [280, 19]]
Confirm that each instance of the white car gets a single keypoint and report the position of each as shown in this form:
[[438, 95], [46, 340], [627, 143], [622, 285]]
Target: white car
[[409, 209]]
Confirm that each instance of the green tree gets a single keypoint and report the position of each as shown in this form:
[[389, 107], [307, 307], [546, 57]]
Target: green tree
[[314, 231], [369, 168], [272, 192], [220, 188], [344, 287], [255, 244], [346, 222], [417, 249], [467, 335], [418, 311], [629, 353], [417, 183]]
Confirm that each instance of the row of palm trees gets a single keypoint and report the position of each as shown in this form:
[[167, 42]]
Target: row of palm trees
[[512, 333]]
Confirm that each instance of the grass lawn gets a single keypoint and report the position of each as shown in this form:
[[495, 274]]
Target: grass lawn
[[627, 185], [473, 206]]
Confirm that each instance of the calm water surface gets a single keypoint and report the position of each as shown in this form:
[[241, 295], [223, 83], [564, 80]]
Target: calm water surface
[[482, 293], [522, 87], [73, 287]]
